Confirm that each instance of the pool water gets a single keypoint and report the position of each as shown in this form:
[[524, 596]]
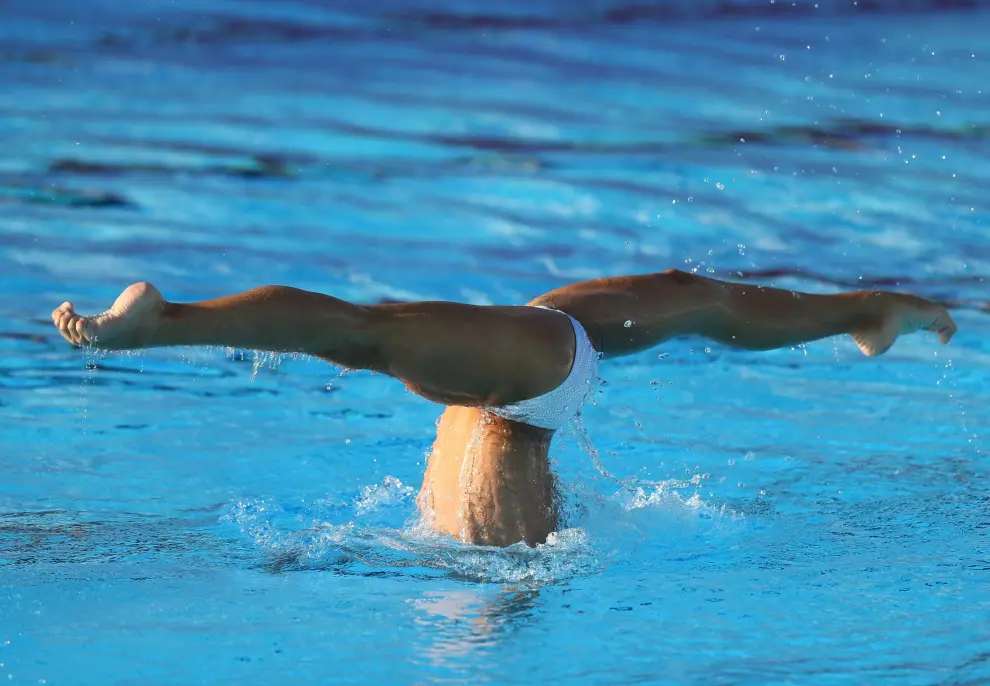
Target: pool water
[[805, 516]]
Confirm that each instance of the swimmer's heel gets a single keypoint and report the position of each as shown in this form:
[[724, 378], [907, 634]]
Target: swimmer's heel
[[877, 340]]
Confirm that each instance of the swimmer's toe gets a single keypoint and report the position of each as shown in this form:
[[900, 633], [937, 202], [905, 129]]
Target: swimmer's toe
[[127, 324]]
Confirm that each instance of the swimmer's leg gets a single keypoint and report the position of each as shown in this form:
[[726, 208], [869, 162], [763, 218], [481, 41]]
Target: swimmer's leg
[[448, 352], [626, 314]]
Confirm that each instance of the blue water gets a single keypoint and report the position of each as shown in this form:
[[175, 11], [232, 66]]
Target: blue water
[[804, 516]]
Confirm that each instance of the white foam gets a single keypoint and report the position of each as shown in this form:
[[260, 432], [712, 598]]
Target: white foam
[[325, 544], [366, 532], [389, 492]]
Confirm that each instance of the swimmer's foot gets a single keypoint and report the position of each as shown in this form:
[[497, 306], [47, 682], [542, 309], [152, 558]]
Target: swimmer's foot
[[130, 323], [901, 314]]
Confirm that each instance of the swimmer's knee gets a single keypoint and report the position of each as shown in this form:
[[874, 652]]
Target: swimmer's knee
[[677, 277], [355, 358], [360, 344]]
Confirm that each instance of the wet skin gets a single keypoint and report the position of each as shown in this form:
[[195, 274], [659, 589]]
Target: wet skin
[[488, 480]]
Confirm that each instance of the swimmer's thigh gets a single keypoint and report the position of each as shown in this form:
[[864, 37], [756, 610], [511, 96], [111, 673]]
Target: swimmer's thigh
[[625, 314], [469, 355]]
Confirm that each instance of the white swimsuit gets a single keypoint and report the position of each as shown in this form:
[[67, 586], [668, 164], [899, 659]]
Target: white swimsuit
[[554, 409]]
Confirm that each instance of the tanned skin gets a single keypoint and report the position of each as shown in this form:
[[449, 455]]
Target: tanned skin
[[488, 480]]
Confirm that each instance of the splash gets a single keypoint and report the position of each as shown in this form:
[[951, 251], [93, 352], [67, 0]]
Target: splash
[[666, 499], [337, 537], [647, 508], [587, 445], [388, 493], [264, 359], [379, 529]]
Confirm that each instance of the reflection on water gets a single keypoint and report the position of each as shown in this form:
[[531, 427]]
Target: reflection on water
[[470, 622]]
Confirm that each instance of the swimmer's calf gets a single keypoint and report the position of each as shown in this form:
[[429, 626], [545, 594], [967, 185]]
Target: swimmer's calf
[[626, 314]]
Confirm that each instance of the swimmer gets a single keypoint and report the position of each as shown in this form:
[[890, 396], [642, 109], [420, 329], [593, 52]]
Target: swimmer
[[508, 376]]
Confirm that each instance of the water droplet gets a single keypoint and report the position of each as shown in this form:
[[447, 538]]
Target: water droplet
[[708, 350], [731, 462], [628, 323]]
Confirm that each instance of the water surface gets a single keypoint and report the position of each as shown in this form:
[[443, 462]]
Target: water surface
[[798, 516]]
